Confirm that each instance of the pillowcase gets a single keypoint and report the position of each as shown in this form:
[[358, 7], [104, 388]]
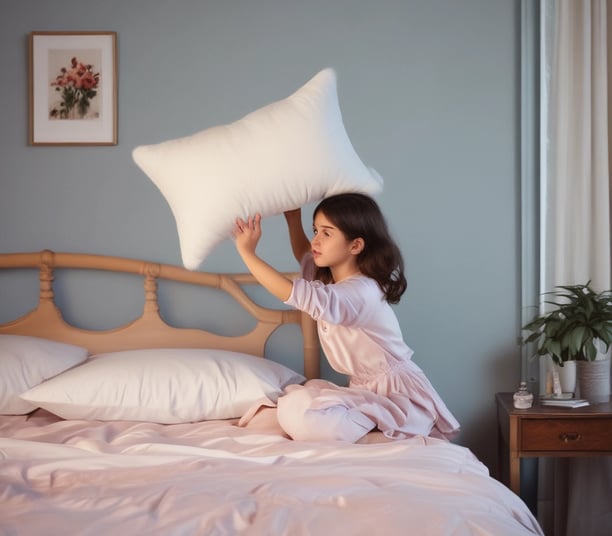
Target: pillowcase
[[163, 385], [282, 156], [25, 362]]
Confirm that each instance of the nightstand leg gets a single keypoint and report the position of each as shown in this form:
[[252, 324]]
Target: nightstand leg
[[515, 473], [515, 461]]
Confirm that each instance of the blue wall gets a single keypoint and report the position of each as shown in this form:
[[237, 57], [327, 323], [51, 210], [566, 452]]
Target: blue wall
[[429, 92]]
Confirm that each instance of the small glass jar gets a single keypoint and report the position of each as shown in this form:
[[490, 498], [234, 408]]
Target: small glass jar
[[523, 399]]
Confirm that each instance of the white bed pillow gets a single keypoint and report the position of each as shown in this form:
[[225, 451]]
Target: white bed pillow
[[163, 385], [25, 362], [282, 156]]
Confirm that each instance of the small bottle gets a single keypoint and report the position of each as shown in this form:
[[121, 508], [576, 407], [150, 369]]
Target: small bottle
[[523, 399]]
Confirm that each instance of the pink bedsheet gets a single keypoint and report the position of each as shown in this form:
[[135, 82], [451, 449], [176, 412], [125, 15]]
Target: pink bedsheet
[[77, 477]]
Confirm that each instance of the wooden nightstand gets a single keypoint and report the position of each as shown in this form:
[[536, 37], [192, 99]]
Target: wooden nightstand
[[549, 431]]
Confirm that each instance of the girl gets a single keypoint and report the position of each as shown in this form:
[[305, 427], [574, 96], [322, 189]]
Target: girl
[[352, 271]]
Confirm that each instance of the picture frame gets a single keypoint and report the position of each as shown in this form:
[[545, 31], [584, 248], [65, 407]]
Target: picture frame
[[73, 88]]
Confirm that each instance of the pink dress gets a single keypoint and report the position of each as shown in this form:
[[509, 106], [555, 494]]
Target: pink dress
[[361, 337]]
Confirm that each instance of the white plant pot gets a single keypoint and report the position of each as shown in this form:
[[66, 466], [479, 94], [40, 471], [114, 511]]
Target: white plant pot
[[567, 376]]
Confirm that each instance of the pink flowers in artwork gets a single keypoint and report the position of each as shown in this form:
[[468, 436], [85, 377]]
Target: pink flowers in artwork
[[78, 86]]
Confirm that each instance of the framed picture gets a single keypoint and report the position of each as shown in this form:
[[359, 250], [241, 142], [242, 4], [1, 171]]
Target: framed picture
[[73, 88]]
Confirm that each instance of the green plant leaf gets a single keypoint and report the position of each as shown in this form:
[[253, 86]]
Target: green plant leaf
[[579, 315]]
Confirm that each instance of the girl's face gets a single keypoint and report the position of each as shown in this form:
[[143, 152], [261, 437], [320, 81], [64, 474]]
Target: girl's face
[[331, 249]]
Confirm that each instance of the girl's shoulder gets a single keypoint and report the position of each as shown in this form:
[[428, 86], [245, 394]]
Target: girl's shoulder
[[362, 283]]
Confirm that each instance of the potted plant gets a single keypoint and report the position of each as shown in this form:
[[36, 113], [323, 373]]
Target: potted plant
[[577, 328]]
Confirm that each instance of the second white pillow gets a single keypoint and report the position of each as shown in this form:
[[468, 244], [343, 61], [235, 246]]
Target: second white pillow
[[25, 362]]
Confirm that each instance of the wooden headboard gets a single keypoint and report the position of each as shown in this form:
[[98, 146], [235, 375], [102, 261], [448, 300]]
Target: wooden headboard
[[150, 330]]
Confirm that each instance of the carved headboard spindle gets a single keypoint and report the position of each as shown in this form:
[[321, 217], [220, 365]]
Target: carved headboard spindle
[[151, 272], [46, 277]]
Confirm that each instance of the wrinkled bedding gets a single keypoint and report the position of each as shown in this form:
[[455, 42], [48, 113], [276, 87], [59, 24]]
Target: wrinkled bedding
[[91, 477]]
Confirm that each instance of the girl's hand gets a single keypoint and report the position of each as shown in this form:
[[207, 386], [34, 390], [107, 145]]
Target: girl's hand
[[247, 233]]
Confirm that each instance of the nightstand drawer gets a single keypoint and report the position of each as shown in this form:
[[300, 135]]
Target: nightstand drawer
[[584, 435]]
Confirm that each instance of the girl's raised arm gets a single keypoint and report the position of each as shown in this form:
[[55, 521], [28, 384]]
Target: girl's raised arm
[[247, 234]]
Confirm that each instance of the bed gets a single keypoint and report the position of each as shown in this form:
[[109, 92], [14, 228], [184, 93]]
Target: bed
[[98, 452]]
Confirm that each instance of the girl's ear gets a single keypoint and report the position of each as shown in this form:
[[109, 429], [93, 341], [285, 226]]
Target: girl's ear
[[357, 246]]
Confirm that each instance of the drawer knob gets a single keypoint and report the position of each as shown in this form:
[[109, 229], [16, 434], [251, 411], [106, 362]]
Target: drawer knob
[[571, 436]]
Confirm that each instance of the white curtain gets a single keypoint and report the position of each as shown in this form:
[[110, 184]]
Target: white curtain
[[575, 496], [575, 230]]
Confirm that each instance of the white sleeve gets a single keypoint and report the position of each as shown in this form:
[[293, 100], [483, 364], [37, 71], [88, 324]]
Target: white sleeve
[[343, 303]]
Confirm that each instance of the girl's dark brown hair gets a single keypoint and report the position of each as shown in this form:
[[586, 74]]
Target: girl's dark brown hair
[[359, 216]]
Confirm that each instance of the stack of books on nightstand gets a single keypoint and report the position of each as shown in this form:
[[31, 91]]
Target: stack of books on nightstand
[[563, 402]]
